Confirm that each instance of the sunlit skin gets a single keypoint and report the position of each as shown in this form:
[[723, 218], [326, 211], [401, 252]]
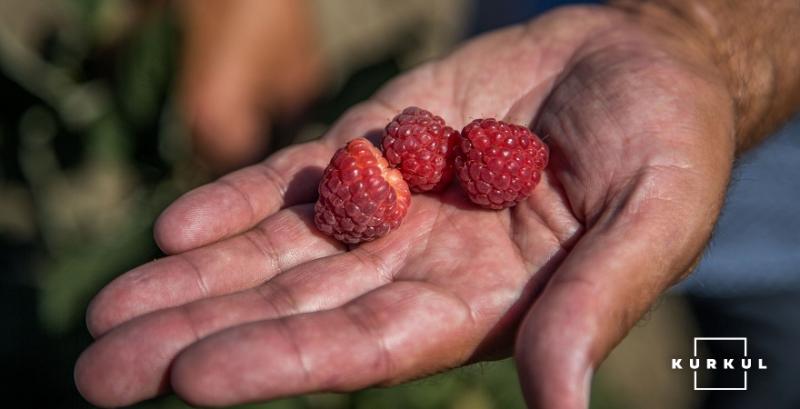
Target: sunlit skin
[[243, 63], [253, 303]]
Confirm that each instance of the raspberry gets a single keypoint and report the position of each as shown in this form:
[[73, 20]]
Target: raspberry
[[499, 164], [360, 197], [422, 147]]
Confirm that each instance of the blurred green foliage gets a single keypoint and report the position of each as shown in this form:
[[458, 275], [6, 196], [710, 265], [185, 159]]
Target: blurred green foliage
[[91, 150]]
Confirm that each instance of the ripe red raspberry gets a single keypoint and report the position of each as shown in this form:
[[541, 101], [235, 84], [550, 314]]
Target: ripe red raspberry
[[422, 147], [499, 164], [360, 197]]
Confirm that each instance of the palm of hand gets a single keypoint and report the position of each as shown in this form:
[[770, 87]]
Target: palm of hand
[[291, 311]]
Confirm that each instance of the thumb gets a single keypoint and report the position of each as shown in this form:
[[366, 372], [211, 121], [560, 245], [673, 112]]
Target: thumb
[[637, 249]]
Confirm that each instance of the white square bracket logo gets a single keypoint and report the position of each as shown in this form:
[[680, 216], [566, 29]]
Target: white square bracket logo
[[744, 355]]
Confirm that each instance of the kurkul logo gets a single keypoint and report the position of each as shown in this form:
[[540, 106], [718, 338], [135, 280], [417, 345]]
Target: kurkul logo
[[744, 363]]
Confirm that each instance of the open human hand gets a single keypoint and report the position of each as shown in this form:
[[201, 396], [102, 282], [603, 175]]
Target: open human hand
[[253, 303]]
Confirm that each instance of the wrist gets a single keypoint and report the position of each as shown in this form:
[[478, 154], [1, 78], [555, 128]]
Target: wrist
[[746, 75]]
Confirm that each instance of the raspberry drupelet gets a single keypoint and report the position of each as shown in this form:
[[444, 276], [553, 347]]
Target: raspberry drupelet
[[499, 164], [422, 147], [360, 197]]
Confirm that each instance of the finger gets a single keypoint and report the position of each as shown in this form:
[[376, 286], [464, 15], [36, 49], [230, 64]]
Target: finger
[[222, 100], [399, 331], [614, 273], [241, 60], [282, 241], [240, 200], [131, 363]]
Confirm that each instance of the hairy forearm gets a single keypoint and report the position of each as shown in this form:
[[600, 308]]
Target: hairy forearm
[[756, 46]]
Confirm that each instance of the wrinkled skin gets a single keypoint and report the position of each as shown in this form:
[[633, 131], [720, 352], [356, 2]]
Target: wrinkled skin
[[254, 304]]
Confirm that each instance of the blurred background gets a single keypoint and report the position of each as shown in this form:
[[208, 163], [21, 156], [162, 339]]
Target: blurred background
[[110, 109]]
